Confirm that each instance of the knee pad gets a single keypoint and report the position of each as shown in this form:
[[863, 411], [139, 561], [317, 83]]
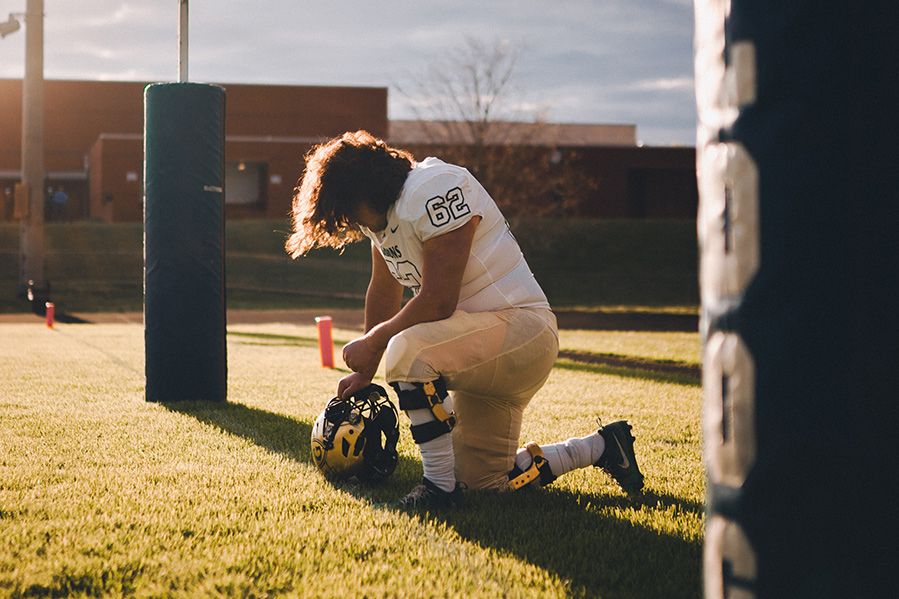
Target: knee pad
[[427, 396], [539, 469]]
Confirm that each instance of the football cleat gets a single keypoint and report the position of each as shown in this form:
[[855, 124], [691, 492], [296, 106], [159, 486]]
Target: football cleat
[[428, 496], [618, 458]]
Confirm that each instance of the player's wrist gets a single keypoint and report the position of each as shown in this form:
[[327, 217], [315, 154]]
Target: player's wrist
[[377, 339]]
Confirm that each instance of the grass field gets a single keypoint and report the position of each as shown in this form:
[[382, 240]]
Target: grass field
[[102, 493]]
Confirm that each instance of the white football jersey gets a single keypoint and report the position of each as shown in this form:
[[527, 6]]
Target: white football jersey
[[437, 198]]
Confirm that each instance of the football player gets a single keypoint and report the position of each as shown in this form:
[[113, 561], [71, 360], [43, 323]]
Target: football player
[[478, 338]]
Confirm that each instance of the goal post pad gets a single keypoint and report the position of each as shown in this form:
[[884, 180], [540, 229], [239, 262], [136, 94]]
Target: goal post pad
[[184, 242]]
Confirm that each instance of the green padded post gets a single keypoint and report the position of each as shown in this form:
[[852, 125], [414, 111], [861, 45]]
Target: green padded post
[[184, 233]]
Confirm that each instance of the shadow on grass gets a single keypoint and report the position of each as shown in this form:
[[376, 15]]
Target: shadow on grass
[[630, 372], [275, 432], [576, 536], [636, 362], [580, 538], [289, 437]]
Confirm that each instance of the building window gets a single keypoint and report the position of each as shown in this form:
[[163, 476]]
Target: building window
[[245, 183]]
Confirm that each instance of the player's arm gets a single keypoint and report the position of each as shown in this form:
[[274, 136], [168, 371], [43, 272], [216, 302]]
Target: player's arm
[[444, 260], [384, 295], [383, 299]]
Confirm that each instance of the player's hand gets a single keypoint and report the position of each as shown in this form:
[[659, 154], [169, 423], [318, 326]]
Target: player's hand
[[351, 383], [362, 356]]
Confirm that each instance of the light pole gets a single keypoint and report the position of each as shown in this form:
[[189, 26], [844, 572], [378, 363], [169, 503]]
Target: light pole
[[183, 11], [31, 233]]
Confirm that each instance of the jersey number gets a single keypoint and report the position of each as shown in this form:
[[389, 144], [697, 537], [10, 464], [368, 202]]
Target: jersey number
[[406, 273], [442, 210]]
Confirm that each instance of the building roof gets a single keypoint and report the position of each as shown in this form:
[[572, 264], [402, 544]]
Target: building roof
[[512, 132]]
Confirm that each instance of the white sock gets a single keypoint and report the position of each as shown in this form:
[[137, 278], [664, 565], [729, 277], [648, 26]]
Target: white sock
[[437, 458], [568, 455]]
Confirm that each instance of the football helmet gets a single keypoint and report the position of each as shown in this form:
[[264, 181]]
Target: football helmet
[[357, 436]]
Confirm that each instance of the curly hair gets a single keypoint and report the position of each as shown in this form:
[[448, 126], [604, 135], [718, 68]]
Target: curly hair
[[339, 174]]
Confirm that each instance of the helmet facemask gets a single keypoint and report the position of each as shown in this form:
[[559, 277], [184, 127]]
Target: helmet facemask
[[357, 436]]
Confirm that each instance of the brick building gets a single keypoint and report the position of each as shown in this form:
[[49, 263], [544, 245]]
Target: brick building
[[93, 142], [94, 150], [612, 176]]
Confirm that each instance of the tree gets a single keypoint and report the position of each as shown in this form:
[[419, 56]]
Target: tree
[[462, 95], [471, 113]]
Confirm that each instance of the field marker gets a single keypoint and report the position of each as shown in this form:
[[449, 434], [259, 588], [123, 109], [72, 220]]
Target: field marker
[[325, 342]]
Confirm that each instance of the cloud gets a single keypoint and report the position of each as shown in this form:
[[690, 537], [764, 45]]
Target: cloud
[[124, 14], [94, 51], [126, 75], [583, 60], [663, 84]]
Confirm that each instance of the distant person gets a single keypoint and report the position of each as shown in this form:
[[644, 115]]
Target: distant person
[[59, 199], [477, 340]]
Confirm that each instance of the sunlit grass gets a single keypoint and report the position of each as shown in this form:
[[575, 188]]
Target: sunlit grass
[[102, 493], [673, 346]]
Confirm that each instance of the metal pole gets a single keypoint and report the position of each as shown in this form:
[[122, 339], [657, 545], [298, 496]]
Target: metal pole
[[31, 240], [182, 42]]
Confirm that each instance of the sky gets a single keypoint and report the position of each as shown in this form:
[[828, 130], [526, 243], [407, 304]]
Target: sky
[[580, 61]]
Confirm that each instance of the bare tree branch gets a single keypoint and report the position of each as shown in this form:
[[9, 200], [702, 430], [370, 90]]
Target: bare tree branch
[[465, 103]]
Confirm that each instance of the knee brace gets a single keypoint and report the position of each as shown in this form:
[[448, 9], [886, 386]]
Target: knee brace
[[427, 396], [539, 469]]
